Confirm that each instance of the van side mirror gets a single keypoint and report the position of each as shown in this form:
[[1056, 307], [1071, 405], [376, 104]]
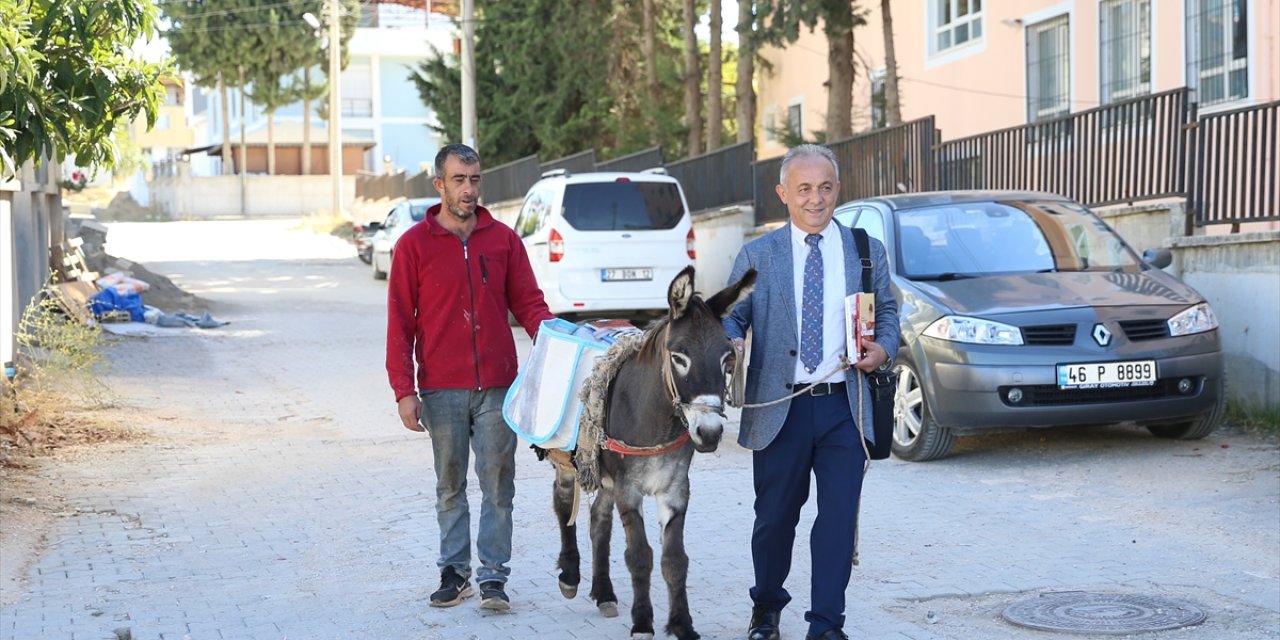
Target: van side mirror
[[1158, 258]]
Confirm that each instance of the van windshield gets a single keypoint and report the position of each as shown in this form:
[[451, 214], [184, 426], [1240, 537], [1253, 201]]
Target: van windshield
[[622, 206]]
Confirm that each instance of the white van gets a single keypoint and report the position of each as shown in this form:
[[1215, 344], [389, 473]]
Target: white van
[[606, 244]]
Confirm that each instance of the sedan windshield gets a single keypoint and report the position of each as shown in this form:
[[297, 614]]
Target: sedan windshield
[[975, 239]]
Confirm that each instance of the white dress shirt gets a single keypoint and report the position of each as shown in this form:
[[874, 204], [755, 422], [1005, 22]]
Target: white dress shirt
[[833, 331]]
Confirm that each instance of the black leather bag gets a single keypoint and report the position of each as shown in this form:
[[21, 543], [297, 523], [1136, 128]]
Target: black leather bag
[[883, 387], [883, 383]]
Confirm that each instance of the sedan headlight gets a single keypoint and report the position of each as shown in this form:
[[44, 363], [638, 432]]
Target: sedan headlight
[[1197, 319], [974, 331]]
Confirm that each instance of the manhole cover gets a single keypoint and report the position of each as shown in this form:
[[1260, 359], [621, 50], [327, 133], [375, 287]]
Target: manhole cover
[[1084, 612]]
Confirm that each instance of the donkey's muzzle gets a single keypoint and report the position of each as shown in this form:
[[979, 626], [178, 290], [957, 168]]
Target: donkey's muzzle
[[706, 438]]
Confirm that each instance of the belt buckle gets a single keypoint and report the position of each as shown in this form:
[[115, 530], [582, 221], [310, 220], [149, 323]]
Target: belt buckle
[[819, 389]]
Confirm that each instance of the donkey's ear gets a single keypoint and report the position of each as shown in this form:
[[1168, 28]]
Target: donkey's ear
[[680, 293], [722, 303]]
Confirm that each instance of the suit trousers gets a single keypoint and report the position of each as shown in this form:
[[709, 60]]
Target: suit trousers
[[818, 436]]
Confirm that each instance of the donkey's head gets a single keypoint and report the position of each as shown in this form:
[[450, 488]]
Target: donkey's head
[[700, 355]]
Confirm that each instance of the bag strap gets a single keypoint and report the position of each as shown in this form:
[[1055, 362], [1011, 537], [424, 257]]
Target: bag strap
[[864, 256]]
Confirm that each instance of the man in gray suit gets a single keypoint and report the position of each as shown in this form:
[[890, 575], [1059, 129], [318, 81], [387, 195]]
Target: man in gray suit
[[796, 314]]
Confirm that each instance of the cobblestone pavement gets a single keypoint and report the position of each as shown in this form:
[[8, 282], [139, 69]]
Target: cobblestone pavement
[[280, 497]]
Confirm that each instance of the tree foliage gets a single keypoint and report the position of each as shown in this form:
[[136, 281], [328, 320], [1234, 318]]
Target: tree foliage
[[554, 78], [69, 78]]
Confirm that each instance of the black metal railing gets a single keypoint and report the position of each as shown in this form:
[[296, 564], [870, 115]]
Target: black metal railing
[[421, 186], [1144, 148], [884, 161], [1234, 167], [639, 161], [581, 162], [716, 179], [509, 181], [1122, 152]]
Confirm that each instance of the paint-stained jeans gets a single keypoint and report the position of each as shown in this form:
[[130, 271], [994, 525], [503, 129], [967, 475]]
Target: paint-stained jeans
[[458, 420]]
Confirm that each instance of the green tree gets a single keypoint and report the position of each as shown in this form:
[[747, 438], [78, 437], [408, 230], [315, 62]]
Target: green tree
[[206, 38], [586, 83], [69, 78], [779, 23]]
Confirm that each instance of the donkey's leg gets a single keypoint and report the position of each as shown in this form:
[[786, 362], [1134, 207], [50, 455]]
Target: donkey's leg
[[563, 498], [639, 557], [601, 533], [675, 562]]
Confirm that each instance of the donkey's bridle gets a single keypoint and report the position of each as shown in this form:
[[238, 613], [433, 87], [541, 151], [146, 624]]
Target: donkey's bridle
[[677, 406]]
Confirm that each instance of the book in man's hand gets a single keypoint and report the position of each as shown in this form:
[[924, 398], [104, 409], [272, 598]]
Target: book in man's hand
[[860, 324]]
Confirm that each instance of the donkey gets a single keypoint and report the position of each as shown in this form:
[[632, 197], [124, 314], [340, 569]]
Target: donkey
[[665, 402]]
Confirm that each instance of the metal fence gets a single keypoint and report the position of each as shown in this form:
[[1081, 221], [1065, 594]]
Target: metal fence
[[890, 160], [511, 180], [1234, 169], [1122, 152], [716, 179], [581, 162], [638, 161], [420, 186], [1144, 148]]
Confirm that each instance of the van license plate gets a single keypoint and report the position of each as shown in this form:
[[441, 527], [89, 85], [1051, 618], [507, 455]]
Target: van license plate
[[623, 275], [1092, 375]]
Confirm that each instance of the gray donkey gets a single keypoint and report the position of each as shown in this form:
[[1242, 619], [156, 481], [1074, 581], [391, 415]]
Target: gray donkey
[[665, 401]]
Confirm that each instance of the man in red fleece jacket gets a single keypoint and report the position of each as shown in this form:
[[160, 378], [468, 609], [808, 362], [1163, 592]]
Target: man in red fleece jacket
[[454, 276]]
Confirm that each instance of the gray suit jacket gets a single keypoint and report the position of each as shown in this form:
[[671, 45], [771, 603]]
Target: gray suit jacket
[[770, 312]]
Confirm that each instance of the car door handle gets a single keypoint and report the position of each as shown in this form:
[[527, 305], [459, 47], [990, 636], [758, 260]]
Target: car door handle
[[538, 244]]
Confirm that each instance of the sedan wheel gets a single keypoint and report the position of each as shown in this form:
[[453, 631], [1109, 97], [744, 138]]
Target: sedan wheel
[[916, 437]]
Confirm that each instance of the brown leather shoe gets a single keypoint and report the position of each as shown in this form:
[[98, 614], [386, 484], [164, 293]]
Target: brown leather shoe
[[764, 624]]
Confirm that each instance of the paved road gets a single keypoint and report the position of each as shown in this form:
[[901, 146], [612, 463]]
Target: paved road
[[280, 498]]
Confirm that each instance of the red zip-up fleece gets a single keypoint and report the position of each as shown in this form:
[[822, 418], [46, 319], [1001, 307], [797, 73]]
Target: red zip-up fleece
[[447, 305]]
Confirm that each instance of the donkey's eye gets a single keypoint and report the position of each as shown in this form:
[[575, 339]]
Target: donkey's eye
[[681, 363]]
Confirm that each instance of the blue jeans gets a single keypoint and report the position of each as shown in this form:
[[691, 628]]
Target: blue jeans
[[458, 420]]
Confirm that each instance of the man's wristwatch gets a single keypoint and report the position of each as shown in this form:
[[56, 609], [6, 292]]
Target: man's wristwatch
[[888, 364]]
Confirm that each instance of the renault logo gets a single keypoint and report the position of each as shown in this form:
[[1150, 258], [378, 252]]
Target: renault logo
[[1101, 335]]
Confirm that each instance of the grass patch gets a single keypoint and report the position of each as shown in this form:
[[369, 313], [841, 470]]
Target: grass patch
[[327, 222], [56, 399], [1256, 419]]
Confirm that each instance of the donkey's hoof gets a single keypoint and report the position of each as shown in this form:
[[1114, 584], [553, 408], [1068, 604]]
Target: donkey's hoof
[[567, 590], [641, 636], [610, 610]]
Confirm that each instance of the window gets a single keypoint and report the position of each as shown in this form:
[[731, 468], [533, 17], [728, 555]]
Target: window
[[956, 22], [533, 215], [771, 123], [1218, 50], [1125, 30], [172, 96], [1048, 69], [623, 206], [162, 122], [357, 90], [794, 124], [879, 117]]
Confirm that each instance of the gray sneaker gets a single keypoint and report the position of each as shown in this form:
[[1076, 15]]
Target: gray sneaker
[[453, 589], [493, 597]]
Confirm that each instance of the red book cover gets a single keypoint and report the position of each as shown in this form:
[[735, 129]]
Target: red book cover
[[860, 323]]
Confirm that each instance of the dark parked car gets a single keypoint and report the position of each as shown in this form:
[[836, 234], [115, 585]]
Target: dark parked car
[[1024, 310], [362, 235]]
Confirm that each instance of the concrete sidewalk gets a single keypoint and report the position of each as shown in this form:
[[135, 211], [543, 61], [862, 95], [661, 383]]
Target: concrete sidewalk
[[280, 498]]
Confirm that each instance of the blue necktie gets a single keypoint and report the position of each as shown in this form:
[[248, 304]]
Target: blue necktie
[[811, 309]]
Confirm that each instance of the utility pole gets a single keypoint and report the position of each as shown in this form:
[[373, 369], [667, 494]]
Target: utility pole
[[469, 73], [244, 191], [335, 110]]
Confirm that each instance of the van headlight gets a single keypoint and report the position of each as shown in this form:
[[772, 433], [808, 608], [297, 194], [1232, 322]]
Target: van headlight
[[1197, 319], [974, 331]]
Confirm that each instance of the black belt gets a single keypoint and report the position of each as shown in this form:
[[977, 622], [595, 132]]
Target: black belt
[[820, 389]]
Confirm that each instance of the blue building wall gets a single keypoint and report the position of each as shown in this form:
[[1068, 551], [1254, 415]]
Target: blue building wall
[[399, 95], [409, 144]]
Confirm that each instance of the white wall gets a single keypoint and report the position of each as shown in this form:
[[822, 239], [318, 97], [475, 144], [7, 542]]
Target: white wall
[[185, 197]]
